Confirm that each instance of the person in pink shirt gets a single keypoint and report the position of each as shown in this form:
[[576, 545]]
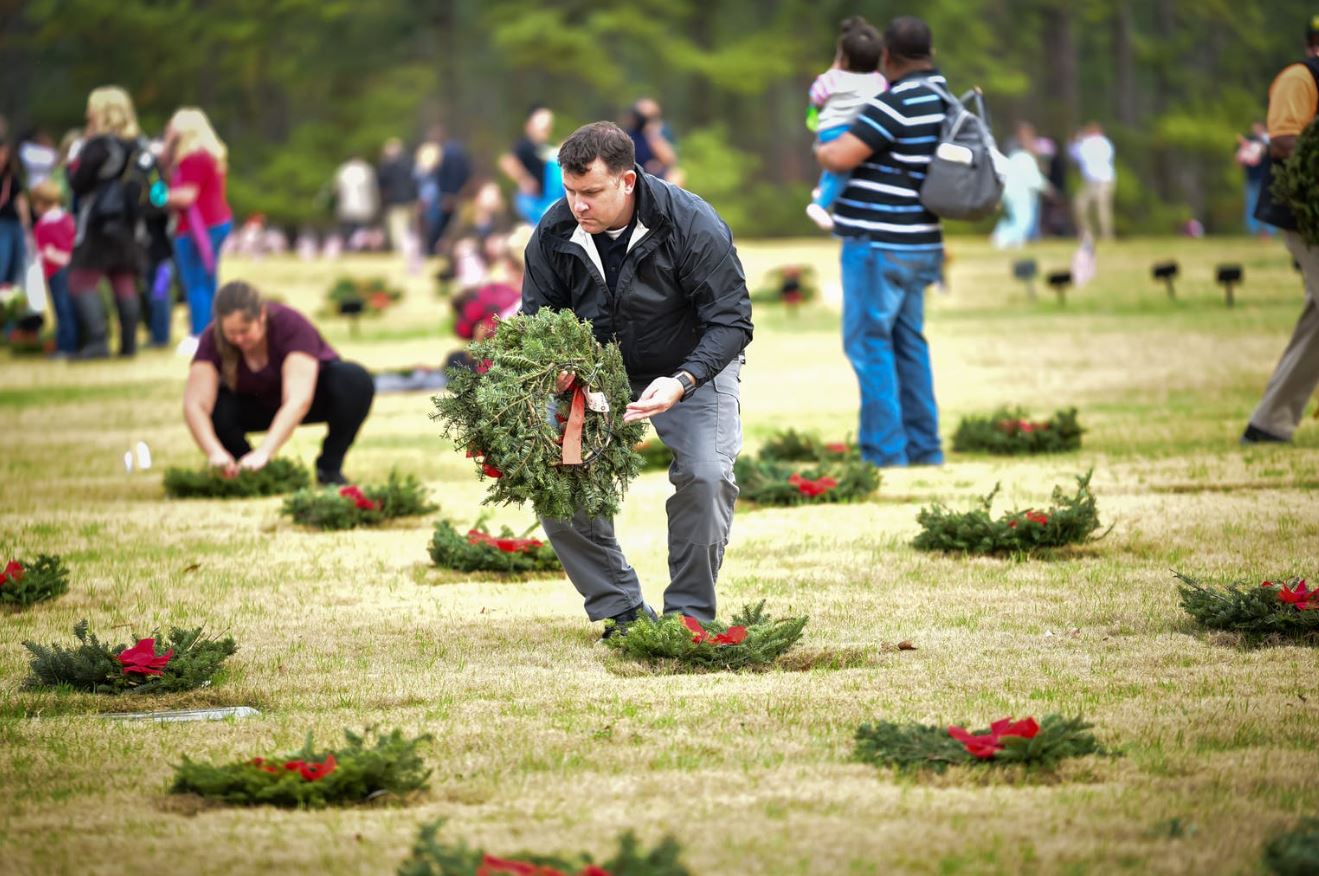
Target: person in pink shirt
[[54, 234], [197, 192]]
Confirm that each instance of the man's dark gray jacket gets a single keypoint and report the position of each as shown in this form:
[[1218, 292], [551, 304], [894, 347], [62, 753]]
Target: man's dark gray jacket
[[681, 300]]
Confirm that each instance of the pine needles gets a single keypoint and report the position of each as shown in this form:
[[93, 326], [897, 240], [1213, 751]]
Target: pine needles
[[754, 638], [913, 747], [1287, 610], [186, 659], [1008, 432], [27, 582], [338, 508], [276, 477]]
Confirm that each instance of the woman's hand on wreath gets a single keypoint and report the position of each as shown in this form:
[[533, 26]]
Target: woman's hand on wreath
[[222, 460], [662, 394], [254, 460]]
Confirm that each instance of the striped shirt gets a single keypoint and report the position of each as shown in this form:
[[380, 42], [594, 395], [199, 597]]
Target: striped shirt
[[882, 198]]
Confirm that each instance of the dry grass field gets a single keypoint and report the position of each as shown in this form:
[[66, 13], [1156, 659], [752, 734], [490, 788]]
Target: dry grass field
[[542, 740]]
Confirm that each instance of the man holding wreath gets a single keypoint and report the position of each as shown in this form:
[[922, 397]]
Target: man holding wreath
[[653, 268]]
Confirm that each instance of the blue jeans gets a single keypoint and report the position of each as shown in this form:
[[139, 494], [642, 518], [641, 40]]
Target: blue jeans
[[198, 284], [883, 322], [1253, 225], [66, 321], [13, 252], [831, 183], [160, 301]]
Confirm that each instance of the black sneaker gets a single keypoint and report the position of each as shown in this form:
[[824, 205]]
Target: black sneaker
[[1256, 435], [618, 624], [330, 478]]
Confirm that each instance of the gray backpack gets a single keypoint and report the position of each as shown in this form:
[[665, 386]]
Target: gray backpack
[[962, 181]]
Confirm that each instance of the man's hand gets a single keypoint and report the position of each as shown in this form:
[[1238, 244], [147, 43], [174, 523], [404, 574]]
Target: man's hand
[[662, 394], [564, 383], [254, 460]]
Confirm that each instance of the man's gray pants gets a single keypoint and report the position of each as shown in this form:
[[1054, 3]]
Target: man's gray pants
[[1297, 374], [705, 434]]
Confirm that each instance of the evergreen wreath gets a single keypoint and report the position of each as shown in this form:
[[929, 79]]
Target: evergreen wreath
[[913, 747], [276, 477], [311, 779], [754, 638], [25, 582], [1285, 608], [793, 446], [1009, 432], [781, 483], [1071, 520], [787, 284], [653, 454], [188, 660], [1294, 852], [479, 551], [519, 429], [373, 296], [431, 857], [1296, 183], [349, 507]]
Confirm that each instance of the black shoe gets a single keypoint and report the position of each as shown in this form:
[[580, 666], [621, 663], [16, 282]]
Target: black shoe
[[618, 624], [330, 478], [1256, 435]]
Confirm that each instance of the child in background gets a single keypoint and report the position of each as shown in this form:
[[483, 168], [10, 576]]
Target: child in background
[[54, 232], [837, 97]]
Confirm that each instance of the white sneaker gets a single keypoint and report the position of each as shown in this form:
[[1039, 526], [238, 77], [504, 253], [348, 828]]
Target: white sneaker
[[187, 347], [820, 217], [143, 455]]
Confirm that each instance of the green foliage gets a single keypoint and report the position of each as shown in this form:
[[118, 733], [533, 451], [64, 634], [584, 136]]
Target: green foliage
[[44, 579], [787, 284], [1070, 520], [1296, 183], [431, 857], [338, 508], [1294, 852], [94, 666], [912, 747], [510, 418], [374, 294], [654, 454], [794, 446], [779, 483], [451, 550], [1256, 612], [392, 765], [669, 639], [1008, 432], [278, 476]]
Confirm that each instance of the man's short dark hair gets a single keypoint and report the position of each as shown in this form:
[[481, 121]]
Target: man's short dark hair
[[603, 140], [907, 38], [859, 45]]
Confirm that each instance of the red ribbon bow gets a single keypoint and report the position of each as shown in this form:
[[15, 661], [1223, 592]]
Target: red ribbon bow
[[986, 745], [359, 500], [735, 635], [13, 572], [142, 659], [1304, 598], [507, 545], [310, 769], [812, 488], [572, 431]]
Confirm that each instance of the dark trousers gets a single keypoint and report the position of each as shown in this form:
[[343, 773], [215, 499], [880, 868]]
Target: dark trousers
[[344, 391]]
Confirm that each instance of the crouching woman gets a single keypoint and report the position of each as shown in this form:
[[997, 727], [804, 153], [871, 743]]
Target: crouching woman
[[263, 367]]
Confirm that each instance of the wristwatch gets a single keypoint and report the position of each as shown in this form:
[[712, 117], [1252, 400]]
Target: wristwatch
[[688, 383]]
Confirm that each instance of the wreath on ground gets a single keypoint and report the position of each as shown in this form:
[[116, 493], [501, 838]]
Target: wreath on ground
[[1070, 520], [1281, 608], [276, 477], [431, 857], [794, 446], [754, 638], [1036, 744], [353, 295], [1294, 852], [1009, 432], [184, 660], [26, 582], [1296, 180], [312, 779], [351, 506], [782, 483], [479, 551], [561, 451], [787, 284]]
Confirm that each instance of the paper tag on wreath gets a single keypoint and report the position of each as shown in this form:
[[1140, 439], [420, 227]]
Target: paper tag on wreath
[[597, 402]]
